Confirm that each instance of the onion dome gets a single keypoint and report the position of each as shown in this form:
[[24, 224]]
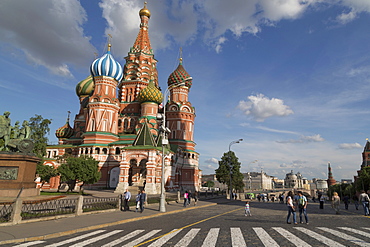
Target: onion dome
[[150, 94], [85, 87], [107, 66], [180, 76], [144, 11], [65, 131]]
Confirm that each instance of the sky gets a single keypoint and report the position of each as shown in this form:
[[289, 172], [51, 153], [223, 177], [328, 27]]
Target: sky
[[289, 77]]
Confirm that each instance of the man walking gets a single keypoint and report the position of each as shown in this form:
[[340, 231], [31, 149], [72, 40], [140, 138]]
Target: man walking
[[126, 197], [142, 200], [302, 206], [364, 199]]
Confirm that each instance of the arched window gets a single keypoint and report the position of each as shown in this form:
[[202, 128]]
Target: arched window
[[97, 150], [118, 150], [105, 151]]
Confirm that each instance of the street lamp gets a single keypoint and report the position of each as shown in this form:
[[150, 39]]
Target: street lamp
[[164, 131], [231, 185]]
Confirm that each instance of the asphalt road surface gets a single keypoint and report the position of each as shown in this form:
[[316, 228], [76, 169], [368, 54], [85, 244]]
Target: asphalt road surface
[[226, 225]]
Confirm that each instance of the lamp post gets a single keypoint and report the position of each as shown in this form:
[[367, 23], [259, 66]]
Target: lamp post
[[231, 185], [164, 131]]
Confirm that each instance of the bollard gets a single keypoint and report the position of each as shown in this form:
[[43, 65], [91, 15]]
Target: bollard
[[17, 210], [79, 209]]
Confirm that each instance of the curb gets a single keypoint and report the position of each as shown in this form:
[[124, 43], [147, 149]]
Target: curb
[[60, 234]]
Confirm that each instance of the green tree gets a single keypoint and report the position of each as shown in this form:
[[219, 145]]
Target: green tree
[[79, 169], [39, 129], [223, 171], [45, 172], [363, 181], [209, 184]]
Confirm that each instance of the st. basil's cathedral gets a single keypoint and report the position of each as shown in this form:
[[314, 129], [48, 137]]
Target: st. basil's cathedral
[[118, 123]]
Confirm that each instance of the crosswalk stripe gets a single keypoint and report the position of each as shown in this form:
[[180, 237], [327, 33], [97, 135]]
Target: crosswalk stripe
[[93, 240], [124, 238], [142, 238], [237, 239], [345, 236], [318, 237], [366, 234], [185, 241], [265, 237], [29, 243], [75, 238], [211, 239], [291, 237], [161, 241]]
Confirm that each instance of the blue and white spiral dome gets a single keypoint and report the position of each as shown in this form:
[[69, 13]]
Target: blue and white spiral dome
[[107, 66]]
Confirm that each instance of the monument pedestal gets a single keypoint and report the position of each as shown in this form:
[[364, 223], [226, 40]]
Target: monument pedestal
[[17, 172]]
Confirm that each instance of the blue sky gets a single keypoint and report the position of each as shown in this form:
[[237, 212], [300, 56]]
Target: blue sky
[[290, 77]]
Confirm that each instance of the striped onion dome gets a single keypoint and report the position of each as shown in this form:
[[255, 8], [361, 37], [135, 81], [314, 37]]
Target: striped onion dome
[[107, 66], [179, 76], [85, 87], [150, 94], [65, 131]]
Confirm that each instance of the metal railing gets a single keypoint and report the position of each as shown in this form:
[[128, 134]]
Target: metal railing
[[96, 204], [6, 210], [48, 208]]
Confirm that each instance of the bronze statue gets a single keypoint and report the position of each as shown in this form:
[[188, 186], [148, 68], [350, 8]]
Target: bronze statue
[[20, 141], [5, 129]]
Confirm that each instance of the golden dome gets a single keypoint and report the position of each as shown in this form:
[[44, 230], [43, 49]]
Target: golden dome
[[144, 11]]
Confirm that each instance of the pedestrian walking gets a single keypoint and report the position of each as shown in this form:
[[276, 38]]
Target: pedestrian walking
[[138, 201], [196, 194], [189, 197], [142, 200], [346, 201], [291, 208], [186, 198], [321, 200], [364, 199], [247, 209], [126, 199], [335, 201], [355, 201], [302, 207]]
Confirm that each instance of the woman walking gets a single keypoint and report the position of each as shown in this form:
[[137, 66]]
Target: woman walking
[[291, 209], [335, 201]]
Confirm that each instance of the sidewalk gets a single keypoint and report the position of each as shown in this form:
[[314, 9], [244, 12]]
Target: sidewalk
[[64, 226]]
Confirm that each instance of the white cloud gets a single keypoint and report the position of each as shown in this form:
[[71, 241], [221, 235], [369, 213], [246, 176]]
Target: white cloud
[[49, 33], [211, 161], [219, 43], [349, 145], [260, 107], [344, 18], [305, 139], [276, 130]]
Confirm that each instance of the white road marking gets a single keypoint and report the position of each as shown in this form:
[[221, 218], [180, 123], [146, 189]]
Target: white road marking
[[185, 241], [75, 238], [141, 239], [319, 237], [237, 239], [211, 239], [291, 237], [345, 236], [161, 241], [124, 238], [265, 237], [93, 240]]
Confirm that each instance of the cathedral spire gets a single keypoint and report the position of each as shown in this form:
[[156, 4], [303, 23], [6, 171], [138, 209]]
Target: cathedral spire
[[142, 42]]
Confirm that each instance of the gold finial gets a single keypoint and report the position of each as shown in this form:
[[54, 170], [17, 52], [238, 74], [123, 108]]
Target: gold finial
[[109, 41], [144, 11], [69, 113], [180, 55], [96, 54], [367, 139]]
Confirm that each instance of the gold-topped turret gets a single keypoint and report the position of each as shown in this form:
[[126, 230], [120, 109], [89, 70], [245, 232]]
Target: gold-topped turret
[[144, 11]]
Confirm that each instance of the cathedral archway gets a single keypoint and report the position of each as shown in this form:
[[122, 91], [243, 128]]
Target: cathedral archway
[[114, 177], [131, 173]]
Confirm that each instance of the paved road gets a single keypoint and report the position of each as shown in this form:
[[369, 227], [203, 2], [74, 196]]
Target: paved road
[[226, 225]]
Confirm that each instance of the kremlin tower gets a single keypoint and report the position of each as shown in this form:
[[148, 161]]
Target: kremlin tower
[[331, 180], [117, 122]]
